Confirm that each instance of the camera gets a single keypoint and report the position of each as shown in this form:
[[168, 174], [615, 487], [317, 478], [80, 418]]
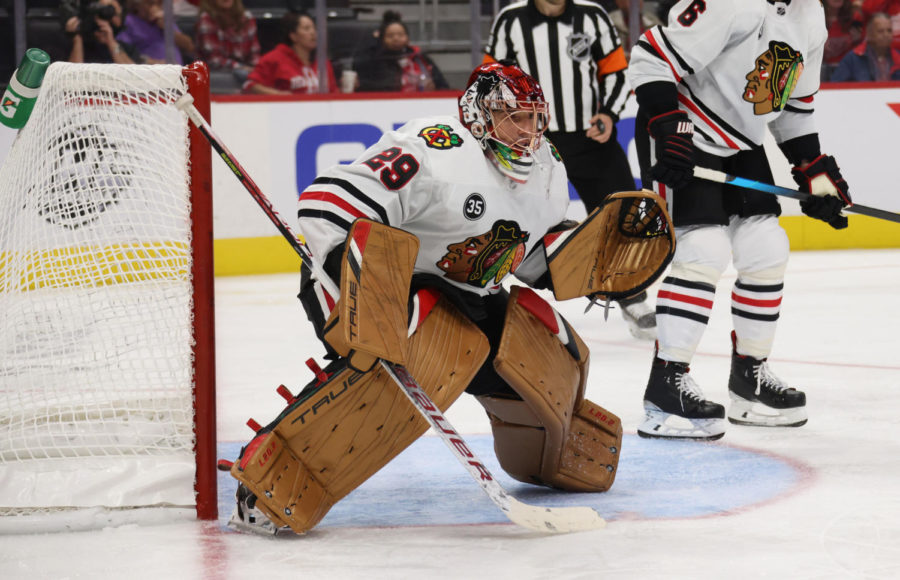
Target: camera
[[86, 12]]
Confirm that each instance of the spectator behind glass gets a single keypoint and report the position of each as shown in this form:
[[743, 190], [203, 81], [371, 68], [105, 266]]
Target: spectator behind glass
[[891, 8], [874, 59], [291, 67], [620, 19], [144, 30], [95, 41], [845, 30], [393, 64], [226, 37]]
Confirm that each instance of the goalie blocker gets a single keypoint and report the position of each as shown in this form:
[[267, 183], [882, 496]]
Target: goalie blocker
[[338, 432]]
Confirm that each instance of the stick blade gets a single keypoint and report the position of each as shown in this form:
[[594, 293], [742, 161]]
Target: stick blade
[[560, 520]]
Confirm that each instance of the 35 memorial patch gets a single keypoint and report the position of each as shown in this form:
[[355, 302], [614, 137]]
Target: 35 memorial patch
[[440, 137]]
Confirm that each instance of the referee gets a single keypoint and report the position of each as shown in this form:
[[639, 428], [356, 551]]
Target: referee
[[572, 49]]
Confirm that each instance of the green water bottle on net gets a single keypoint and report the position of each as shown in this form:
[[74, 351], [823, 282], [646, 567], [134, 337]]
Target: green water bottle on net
[[18, 100]]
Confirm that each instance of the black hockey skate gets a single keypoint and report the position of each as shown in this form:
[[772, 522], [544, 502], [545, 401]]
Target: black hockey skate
[[675, 406], [758, 397]]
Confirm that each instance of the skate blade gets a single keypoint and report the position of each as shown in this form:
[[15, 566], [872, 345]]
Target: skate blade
[[662, 425], [267, 529], [689, 437], [754, 414], [762, 424]]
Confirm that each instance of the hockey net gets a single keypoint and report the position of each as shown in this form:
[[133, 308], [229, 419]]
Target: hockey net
[[106, 328]]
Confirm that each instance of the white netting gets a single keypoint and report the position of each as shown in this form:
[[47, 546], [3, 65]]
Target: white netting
[[95, 293]]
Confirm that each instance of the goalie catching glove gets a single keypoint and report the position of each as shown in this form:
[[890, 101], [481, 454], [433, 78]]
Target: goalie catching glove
[[830, 193], [618, 251]]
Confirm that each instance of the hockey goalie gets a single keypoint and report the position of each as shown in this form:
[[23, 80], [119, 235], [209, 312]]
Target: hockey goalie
[[420, 234]]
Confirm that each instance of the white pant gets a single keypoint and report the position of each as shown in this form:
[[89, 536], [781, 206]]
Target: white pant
[[758, 247]]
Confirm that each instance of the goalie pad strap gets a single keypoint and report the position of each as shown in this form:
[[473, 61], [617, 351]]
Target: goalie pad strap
[[553, 436], [376, 270], [341, 432], [621, 248]]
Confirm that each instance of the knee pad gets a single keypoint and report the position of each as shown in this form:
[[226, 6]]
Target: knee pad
[[551, 436], [702, 254], [761, 249]]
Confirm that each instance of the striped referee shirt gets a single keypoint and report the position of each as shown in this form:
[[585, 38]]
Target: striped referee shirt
[[576, 57]]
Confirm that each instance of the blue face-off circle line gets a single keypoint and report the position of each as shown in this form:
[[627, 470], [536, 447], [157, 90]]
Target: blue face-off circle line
[[657, 480]]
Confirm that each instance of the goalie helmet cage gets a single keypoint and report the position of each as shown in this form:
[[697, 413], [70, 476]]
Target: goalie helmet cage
[[107, 366]]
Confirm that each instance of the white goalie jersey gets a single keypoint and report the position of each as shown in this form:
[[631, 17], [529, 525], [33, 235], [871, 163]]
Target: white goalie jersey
[[432, 179], [739, 65]]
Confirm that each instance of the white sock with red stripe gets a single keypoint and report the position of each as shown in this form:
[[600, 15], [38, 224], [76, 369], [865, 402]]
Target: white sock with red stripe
[[683, 308], [755, 309]]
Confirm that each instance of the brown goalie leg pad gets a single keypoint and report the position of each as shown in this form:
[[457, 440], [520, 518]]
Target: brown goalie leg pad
[[587, 461], [285, 489], [622, 247], [553, 436], [591, 456], [323, 447]]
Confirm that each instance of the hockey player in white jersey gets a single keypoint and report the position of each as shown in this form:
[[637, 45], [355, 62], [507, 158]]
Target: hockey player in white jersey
[[708, 85], [421, 231]]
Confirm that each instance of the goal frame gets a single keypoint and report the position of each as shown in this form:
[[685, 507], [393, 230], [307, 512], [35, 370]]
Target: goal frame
[[203, 305]]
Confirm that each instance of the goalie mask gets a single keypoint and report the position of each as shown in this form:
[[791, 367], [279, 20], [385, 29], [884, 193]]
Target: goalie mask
[[505, 111]]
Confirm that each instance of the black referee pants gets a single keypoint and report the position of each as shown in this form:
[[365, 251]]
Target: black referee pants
[[595, 169]]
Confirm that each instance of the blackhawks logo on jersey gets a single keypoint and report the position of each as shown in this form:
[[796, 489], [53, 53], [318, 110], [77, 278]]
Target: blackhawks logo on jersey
[[440, 137], [771, 82], [487, 258]]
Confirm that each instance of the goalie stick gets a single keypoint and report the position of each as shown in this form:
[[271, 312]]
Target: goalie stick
[[720, 177], [543, 519]]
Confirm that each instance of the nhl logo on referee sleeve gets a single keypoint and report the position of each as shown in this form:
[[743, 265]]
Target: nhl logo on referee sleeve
[[578, 47]]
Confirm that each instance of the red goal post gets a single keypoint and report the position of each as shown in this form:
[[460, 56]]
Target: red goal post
[[107, 340]]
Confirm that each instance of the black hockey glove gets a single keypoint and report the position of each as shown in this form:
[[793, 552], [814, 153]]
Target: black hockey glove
[[673, 133], [830, 194]]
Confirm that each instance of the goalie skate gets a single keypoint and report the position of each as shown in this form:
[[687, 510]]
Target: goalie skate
[[675, 407], [759, 397], [247, 518]]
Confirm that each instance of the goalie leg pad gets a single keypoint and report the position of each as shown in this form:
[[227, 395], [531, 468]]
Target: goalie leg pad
[[587, 461], [553, 436], [341, 432]]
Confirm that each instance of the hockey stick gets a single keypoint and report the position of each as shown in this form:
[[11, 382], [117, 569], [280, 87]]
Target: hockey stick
[[720, 177], [563, 519]]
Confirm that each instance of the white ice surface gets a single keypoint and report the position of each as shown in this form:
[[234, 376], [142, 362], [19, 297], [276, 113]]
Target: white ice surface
[[838, 340]]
